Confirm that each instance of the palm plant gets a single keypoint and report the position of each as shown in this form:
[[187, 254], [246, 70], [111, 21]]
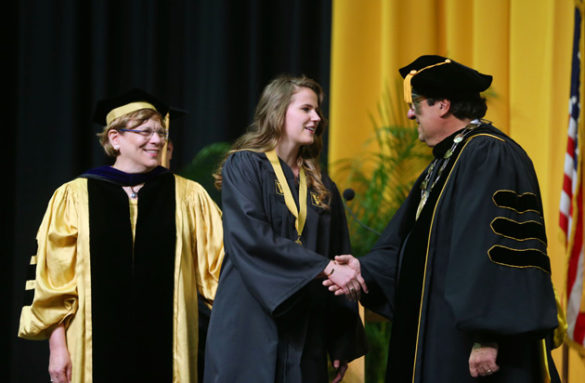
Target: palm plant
[[204, 164]]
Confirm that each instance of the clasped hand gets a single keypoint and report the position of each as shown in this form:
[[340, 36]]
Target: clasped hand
[[346, 278]]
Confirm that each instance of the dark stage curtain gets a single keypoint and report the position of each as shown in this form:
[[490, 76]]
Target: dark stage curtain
[[210, 57]]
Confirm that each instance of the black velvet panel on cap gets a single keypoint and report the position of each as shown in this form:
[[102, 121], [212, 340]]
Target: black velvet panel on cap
[[438, 77], [105, 106]]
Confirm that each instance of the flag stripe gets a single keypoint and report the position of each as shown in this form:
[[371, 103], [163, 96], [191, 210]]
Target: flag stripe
[[571, 219]]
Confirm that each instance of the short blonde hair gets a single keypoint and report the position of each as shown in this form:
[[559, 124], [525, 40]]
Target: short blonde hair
[[127, 121]]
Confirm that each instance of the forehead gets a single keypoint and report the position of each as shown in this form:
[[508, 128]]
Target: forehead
[[305, 96], [153, 121]]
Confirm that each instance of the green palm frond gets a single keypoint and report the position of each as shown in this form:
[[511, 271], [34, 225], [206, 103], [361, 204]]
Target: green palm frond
[[204, 164]]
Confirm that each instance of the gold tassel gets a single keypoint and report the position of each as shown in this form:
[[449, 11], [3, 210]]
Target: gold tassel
[[163, 159], [414, 72]]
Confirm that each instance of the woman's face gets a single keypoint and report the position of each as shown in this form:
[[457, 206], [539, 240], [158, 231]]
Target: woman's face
[[140, 147], [301, 119]]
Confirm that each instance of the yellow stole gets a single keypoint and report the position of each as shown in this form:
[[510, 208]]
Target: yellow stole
[[300, 214]]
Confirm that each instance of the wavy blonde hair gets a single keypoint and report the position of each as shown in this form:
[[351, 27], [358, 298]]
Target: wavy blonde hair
[[127, 121], [267, 128]]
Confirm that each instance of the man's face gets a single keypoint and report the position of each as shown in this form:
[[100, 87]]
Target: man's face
[[427, 118]]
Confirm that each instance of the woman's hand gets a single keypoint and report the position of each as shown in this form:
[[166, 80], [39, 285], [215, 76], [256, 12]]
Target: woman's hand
[[341, 368], [59, 359]]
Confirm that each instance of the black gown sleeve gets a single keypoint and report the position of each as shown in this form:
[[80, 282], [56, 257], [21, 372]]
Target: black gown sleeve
[[272, 267], [498, 280], [346, 333], [380, 266]]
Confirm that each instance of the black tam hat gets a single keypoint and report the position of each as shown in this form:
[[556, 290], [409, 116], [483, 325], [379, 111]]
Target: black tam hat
[[439, 77], [111, 108]]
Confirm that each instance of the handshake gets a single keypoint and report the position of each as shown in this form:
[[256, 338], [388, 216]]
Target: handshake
[[344, 277]]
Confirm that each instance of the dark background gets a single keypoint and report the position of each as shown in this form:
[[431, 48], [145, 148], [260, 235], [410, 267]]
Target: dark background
[[210, 57]]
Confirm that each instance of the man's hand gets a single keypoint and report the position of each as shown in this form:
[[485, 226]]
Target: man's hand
[[349, 281], [482, 361]]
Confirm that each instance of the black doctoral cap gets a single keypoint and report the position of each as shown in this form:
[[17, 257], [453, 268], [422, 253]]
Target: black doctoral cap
[[439, 77], [135, 99]]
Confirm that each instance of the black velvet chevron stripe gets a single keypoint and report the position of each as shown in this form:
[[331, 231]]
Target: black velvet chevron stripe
[[29, 295], [520, 231], [520, 258], [31, 272], [519, 202]]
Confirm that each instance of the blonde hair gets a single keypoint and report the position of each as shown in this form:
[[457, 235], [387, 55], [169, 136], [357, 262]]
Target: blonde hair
[[127, 121], [267, 128]]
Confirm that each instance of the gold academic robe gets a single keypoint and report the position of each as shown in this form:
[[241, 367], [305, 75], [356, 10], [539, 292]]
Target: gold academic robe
[[62, 284]]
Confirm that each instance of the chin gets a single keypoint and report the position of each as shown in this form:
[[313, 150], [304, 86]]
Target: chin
[[309, 141], [151, 164]]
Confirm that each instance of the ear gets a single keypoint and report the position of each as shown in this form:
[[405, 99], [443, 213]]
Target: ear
[[114, 138], [444, 107]]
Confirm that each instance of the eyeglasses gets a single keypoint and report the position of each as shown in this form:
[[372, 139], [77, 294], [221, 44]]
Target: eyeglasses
[[416, 100], [147, 133]]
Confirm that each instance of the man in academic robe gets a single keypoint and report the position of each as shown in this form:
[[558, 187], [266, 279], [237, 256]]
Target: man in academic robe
[[462, 269]]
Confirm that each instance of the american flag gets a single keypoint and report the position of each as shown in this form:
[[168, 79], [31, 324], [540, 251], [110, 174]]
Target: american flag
[[571, 209]]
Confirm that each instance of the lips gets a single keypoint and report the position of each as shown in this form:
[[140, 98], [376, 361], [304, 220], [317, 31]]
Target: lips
[[311, 129], [152, 152]]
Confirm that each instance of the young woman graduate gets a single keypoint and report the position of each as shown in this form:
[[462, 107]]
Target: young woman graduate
[[123, 251], [272, 319]]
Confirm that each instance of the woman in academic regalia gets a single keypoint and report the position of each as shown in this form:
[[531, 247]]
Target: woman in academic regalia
[[284, 221], [123, 252]]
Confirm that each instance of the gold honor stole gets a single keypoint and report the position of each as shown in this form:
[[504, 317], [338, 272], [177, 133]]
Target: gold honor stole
[[300, 216]]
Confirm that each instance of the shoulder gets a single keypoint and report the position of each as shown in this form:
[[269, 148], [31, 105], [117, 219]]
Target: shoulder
[[69, 196], [189, 189], [75, 186], [242, 157], [245, 162], [489, 141], [489, 134], [183, 183], [491, 154]]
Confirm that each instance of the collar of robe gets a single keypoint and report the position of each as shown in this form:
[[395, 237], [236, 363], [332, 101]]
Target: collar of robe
[[301, 213], [115, 176]]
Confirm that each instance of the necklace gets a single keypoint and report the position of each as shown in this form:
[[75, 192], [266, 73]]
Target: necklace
[[133, 195], [425, 189]]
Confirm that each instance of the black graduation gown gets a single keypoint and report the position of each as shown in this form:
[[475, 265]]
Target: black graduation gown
[[473, 267], [272, 320]]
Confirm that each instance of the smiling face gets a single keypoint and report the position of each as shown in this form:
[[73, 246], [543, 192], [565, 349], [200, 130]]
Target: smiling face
[[301, 119], [138, 154]]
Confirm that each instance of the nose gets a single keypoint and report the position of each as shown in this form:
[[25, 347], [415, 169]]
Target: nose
[[315, 116], [410, 114], [156, 139]]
